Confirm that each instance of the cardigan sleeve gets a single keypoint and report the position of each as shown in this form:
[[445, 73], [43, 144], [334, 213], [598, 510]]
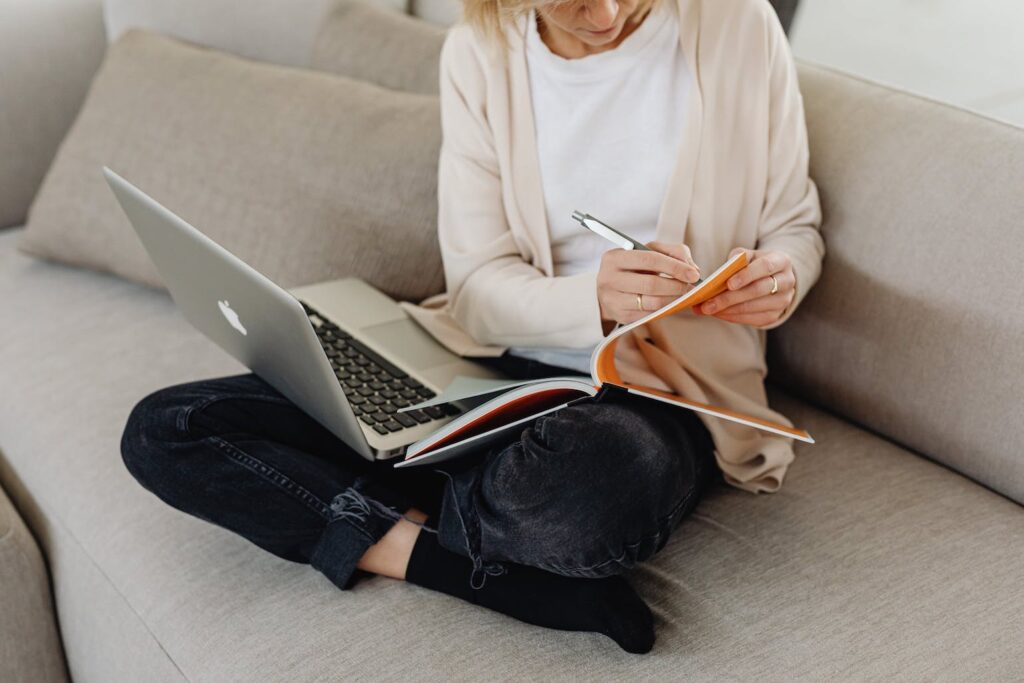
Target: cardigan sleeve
[[493, 293], [791, 216]]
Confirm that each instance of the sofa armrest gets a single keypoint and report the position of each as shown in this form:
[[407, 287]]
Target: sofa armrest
[[49, 51], [29, 645]]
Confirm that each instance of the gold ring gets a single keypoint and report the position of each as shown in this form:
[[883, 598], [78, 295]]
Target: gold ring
[[640, 302], [775, 285]]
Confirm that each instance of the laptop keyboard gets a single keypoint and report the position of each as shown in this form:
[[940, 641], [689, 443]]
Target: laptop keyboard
[[375, 388]]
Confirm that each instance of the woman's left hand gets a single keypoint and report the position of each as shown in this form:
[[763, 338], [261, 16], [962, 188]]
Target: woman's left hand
[[750, 299]]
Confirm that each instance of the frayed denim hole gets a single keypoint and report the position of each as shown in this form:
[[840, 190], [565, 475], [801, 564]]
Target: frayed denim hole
[[482, 570], [353, 506]]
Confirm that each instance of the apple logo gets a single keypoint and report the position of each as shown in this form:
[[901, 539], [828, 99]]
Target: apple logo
[[231, 316]]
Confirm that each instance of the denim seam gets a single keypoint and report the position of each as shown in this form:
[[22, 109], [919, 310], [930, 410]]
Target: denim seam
[[458, 510], [273, 476], [629, 545], [251, 463], [471, 537], [362, 531]]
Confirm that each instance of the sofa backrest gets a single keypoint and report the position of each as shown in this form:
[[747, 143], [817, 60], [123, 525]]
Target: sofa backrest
[[277, 31], [49, 52], [441, 12], [916, 328]]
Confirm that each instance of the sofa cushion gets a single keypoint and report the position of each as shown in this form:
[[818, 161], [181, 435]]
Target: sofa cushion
[[306, 176], [29, 644], [914, 327], [279, 31], [49, 52], [870, 562], [365, 42]]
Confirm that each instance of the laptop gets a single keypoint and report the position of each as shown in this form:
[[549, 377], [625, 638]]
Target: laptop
[[342, 351]]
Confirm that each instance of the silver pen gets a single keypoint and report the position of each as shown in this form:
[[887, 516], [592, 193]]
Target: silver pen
[[619, 239]]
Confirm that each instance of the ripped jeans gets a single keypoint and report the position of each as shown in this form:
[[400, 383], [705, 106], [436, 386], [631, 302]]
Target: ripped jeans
[[586, 491]]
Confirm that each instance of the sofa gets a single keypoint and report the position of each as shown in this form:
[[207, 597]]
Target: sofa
[[893, 550]]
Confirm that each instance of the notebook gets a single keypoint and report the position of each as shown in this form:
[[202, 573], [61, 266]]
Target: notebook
[[496, 407]]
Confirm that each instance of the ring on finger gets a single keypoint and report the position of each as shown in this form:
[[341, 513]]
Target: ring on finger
[[640, 302], [775, 285]]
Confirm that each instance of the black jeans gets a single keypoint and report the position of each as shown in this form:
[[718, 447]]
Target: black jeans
[[586, 491]]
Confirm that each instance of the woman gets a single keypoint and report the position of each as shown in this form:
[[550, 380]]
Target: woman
[[680, 124]]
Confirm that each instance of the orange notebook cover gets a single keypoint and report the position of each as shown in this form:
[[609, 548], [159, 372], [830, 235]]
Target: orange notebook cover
[[528, 401], [603, 370]]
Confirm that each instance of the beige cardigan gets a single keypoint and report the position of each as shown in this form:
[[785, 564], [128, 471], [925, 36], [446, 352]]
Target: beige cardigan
[[741, 181]]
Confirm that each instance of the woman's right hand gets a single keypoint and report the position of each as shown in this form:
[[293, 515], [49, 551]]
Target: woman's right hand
[[626, 273]]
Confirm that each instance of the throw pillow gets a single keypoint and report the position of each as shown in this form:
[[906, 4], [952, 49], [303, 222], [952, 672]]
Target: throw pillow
[[304, 175], [279, 31], [393, 50]]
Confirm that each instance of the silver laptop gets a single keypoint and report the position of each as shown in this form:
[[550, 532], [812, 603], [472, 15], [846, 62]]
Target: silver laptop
[[342, 351]]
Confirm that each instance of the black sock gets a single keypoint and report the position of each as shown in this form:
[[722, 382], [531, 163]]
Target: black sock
[[609, 606]]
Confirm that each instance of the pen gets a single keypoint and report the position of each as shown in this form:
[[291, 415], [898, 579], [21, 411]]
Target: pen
[[619, 239]]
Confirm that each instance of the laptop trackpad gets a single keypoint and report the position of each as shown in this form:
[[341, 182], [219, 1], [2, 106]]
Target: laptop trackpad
[[408, 344]]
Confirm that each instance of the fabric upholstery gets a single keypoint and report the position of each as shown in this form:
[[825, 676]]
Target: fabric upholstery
[[97, 625], [871, 562], [365, 42], [279, 31], [29, 644], [305, 176], [441, 12], [914, 328], [49, 51]]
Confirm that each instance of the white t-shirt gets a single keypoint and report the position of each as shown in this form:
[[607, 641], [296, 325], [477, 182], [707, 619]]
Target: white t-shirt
[[608, 127]]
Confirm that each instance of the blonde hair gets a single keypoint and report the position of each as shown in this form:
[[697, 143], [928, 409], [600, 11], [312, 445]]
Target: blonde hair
[[491, 18]]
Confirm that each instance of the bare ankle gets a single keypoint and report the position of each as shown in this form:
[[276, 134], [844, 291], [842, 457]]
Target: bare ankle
[[390, 555]]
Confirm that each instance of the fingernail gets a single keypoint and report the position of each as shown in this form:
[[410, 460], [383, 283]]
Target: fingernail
[[734, 284], [709, 307], [694, 275]]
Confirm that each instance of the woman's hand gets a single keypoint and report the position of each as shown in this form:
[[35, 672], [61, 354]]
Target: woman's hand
[[750, 299], [629, 286]]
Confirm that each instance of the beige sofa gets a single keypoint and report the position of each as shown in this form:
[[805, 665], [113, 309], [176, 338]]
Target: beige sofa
[[29, 642], [894, 549]]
